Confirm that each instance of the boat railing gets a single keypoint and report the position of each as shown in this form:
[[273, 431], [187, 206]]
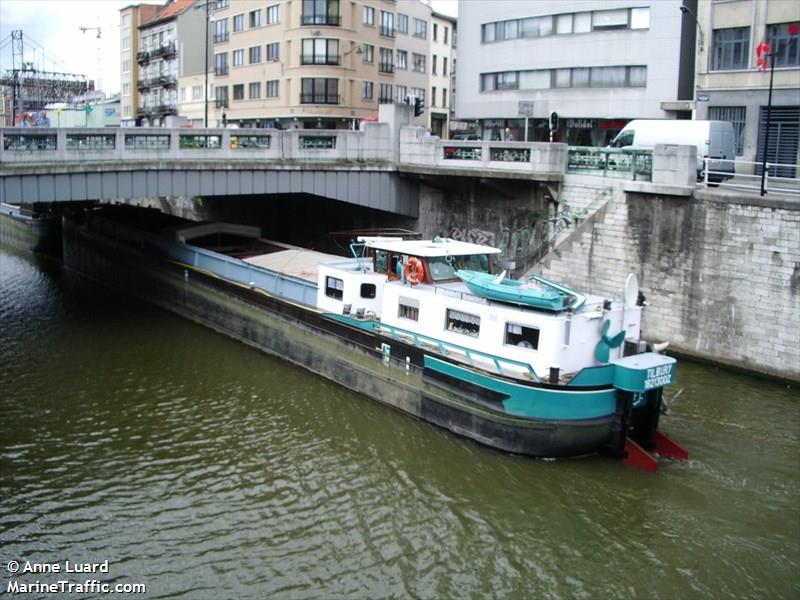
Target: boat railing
[[475, 358]]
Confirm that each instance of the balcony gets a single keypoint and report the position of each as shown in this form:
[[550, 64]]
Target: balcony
[[167, 81], [221, 102], [221, 70], [386, 67], [143, 57], [315, 19], [221, 37], [143, 85], [387, 31], [317, 59], [165, 51]]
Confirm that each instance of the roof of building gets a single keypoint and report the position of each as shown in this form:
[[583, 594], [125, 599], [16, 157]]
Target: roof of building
[[169, 11]]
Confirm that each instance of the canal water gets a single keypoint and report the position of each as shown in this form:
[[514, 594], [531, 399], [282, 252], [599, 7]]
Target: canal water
[[202, 468]]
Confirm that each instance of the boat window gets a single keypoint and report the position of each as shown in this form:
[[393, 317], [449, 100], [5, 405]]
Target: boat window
[[522, 336], [368, 290], [408, 309], [334, 288], [381, 261], [475, 262], [464, 323], [442, 267]]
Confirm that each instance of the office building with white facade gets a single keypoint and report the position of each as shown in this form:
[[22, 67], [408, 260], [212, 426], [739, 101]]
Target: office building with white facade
[[596, 63], [731, 87]]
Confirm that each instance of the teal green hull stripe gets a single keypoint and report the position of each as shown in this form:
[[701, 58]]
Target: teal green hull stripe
[[532, 402]]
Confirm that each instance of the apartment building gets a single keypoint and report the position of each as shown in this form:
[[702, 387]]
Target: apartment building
[[443, 31], [302, 63], [172, 44], [130, 18], [321, 63], [596, 63], [731, 87]]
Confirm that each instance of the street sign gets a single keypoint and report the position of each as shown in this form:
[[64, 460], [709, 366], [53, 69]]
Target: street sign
[[525, 108]]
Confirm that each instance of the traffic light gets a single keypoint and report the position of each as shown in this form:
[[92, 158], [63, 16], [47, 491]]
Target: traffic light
[[553, 121], [418, 106]]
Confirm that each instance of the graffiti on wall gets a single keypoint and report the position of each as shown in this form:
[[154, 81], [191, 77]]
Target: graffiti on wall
[[522, 244]]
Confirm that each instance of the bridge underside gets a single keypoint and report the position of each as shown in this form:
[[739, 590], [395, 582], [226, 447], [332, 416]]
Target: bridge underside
[[380, 190]]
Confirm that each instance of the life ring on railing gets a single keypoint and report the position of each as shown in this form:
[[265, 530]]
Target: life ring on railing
[[414, 271]]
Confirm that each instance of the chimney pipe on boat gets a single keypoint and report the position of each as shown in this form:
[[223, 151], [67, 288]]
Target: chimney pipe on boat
[[554, 373]]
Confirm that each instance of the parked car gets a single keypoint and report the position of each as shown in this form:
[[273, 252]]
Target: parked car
[[713, 139]]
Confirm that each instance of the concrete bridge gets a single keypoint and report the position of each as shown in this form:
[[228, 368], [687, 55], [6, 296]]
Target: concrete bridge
[[378, 167]]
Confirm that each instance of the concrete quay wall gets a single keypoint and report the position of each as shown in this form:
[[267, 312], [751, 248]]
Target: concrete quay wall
[[721, 272]]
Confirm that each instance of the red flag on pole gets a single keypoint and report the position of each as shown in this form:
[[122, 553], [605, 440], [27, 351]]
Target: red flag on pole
[[762, 51]]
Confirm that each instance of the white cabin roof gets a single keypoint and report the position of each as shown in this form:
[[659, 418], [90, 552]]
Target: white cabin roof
[[428, 248]]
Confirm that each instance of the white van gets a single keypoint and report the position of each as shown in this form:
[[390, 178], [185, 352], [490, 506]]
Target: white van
[[713, 139]]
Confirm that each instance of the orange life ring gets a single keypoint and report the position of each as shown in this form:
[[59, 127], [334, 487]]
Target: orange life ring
[[414, 271]]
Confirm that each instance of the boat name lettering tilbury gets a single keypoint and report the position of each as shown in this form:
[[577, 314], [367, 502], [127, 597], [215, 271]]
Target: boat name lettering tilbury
[[658, 376]]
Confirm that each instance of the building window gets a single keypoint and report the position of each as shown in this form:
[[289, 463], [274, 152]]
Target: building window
[[126, 20], [126, 42], [418, 62], [730, 48], [126, 89], [387, 24], [334, 287], [238, 57], [320, 51], [321, 12], [386, 64], [367, 90], [420, 28], [221, 63], [435, 31], [238, 91], [272, 88], [784, 45], [433, 65], [400, 93], [220, 4], [238, 23], [255, 55], [369, 16], [197, 92], [576, 77], [401, 59], [255, 18], [221, 96], [418, 93], [562, 24], [369, 53], [273, 14], [433, 96], [444, 35], [408, 308], [273, 51], [463, 323], [735, 116], [385, 93], [221, 31], [319, 90], [255, 90], [522, 336], [444, 97], [402, 23]]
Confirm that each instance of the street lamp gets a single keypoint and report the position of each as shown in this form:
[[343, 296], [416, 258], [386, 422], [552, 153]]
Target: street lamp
[[687, 10]]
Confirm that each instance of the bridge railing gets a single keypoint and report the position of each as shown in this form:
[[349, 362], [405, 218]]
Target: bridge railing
[[46, 145]]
